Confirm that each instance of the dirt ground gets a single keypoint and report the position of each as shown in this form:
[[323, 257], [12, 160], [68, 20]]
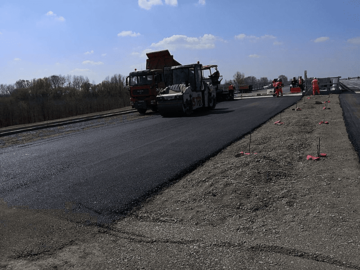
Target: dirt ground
[[270, 210]]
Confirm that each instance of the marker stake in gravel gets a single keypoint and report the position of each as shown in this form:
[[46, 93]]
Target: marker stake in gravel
[[249, 143], [279, 121], [247, 154], [323, 121], [308, 157]]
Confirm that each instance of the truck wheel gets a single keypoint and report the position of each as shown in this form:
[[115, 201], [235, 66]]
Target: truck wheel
[[142, 111], [154, 109], [187, 108]]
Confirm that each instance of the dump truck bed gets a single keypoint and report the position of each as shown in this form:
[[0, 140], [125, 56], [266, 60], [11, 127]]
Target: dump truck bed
[[160, 59]]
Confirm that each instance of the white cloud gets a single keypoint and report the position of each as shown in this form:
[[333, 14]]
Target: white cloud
[[104, 54], [354, 40], [17, 59], [57, 18], [90, 52], [147, 4], [277, 43], [321, 39], [128, 33], [254, 56], [240, 36], [171, 2], [202, 2], [254, 38], [0, 33], [92, 63], [181, 41]]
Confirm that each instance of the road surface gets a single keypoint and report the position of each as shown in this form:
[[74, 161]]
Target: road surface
[[350, 103], [103, 170]]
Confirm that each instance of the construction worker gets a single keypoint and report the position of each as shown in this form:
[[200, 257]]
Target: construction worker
[[215, 77], [315, 85], [301, 83], [278, 87], [231, 91]]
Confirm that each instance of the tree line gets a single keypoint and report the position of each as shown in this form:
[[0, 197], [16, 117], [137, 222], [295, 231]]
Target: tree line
[[59, 96], [240, 79]]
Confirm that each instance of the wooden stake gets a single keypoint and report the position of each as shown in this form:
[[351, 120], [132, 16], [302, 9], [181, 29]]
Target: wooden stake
[[249, 143]]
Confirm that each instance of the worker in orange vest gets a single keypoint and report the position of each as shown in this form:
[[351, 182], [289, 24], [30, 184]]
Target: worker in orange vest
[[231, 91], [315, 85], [278, 87]]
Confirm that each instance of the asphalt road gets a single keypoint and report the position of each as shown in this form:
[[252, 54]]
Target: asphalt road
[[103, 170], [350, 103], [353, 84]]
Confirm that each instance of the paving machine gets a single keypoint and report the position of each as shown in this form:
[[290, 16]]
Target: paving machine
[[212, 76], [144, 85], [187, 90]]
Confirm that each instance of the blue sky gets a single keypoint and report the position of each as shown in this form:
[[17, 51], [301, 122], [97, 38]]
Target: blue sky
[[259, 38]]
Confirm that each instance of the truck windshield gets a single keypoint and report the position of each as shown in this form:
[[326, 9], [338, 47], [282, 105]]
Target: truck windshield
[[141, 80], [183, 76]]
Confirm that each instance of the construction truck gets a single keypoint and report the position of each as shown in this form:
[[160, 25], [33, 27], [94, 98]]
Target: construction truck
[[187, 90], [245, 88], [145, 84]]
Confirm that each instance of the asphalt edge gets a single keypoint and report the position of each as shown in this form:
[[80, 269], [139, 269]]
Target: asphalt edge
[[351, 136]]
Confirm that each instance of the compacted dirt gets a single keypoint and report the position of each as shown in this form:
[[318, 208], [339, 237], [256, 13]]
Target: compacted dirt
[[270, 210]]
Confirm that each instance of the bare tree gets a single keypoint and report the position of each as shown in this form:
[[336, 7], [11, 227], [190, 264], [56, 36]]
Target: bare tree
[[250, 80], [68, 81], [20, 84], [55, 81], [264, 81], [76, 82], [3, 89], [238, 78], [284, 79]]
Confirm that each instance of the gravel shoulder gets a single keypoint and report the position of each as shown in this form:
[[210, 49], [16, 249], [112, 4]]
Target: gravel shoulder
[[272, 210]]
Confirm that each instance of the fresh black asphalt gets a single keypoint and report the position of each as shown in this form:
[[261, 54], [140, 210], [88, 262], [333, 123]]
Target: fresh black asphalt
[[350, 104], [103, 170], [352, 84]]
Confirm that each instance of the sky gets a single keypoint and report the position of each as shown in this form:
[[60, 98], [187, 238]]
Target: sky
[[261, 38]]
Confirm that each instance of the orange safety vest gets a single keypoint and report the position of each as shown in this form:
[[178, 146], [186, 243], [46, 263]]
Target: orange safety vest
[[231, 87], [315, 83], [300, 81]]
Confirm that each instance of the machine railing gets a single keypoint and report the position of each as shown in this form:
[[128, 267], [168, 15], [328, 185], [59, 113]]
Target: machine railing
[[327, 83], [351, 78]]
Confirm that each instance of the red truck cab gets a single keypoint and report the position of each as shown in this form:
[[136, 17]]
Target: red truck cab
[[145, 84], [144, 87]]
